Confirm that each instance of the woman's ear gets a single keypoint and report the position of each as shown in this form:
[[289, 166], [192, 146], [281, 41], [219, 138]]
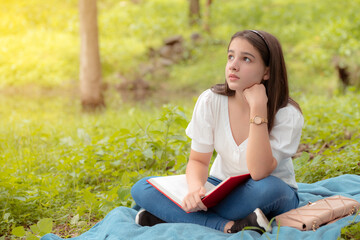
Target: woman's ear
[[266, 74]]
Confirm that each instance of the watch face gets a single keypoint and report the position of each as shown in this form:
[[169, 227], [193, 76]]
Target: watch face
[[257, 120]]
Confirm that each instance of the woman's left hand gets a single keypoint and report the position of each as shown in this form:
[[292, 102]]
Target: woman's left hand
[[256, 96]]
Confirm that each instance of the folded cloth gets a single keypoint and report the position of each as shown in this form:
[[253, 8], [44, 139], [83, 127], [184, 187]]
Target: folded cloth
[[119, 223]]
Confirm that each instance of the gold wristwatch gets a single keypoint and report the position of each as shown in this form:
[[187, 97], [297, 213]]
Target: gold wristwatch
[[258, 120]]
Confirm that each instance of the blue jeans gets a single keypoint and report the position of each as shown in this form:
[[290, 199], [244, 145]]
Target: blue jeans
[[270, 194]]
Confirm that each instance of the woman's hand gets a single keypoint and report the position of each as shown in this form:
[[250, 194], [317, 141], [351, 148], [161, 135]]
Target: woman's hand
[[192, 201], [256, 96]]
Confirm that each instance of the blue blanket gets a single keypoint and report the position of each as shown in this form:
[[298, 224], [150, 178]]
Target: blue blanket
[[119, 223]]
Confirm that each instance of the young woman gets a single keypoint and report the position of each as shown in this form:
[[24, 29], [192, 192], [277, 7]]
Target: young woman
[[254, 126]]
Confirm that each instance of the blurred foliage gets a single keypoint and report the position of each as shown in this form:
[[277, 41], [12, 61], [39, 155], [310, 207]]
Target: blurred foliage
[[40, 43]]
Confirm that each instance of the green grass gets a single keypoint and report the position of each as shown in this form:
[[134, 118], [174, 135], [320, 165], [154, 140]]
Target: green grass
[[64, 164], [58, 162], [330, 139]]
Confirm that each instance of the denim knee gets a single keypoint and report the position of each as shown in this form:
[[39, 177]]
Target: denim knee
[[138, 190], [280, 197], [274, 187], [270, 194]]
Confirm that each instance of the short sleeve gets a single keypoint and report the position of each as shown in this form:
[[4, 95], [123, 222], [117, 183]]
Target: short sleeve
[[286, 132], [201, 126]]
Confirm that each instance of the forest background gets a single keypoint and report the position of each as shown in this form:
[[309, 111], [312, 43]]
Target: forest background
[[63, 170]]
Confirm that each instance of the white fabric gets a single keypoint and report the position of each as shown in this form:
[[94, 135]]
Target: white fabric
[[210, 129]]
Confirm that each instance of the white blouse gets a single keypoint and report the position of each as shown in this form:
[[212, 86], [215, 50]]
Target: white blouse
[[210, 129]]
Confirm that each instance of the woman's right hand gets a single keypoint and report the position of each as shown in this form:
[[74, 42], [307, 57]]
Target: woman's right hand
[[192, 201]]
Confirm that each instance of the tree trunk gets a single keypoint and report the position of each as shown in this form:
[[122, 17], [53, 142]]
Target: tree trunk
[[194, 11], [207, 16], [90, 67]]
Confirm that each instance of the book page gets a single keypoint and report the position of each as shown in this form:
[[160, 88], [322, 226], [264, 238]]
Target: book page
[[209, 187], [176, 186], [173, 186]]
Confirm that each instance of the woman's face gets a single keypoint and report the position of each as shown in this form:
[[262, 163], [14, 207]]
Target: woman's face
[[245, 66]]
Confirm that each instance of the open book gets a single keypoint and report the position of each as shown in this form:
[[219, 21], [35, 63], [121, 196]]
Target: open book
[[176, 188]]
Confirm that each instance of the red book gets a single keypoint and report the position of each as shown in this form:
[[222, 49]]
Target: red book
[[176, 188]]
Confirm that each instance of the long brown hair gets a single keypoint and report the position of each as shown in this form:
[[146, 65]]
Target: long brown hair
[[276, 86]]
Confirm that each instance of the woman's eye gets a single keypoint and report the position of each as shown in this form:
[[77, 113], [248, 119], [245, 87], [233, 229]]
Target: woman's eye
[[230, 57], [246, 59]]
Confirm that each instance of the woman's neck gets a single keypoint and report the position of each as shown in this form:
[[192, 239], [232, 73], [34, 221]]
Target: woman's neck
[[240, 101]]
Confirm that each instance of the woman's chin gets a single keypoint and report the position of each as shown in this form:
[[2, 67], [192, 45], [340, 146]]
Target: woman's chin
[[235, 87]]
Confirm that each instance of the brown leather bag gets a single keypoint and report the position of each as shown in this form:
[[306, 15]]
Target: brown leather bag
[[324, 211]]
